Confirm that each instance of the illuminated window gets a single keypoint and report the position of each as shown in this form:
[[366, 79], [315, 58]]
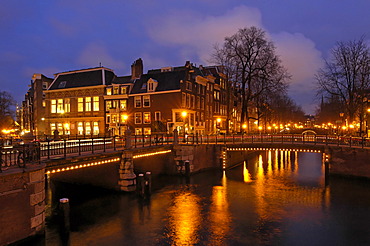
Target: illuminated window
[[146, 101], [87, 104], [60, 128], [123, 105], [138, 118], [80, 128], [109, 91], [147, 131], [52, 127], [67, 129], [67, 105], [108, 105], [95, 128], [114, 118], [96, 103], [115, 90], [138, 131], [60, 106], [87, 128], [44, 103], [124, 90], [138, 102], [80, 104], [147, 117], [53, 106]]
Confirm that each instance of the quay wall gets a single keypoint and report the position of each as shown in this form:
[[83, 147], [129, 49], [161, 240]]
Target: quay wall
[[22, 203], [349, 162]]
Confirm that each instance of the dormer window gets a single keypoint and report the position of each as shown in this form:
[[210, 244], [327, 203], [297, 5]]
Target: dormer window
[[152, 85], [62, 84], [109, 91]]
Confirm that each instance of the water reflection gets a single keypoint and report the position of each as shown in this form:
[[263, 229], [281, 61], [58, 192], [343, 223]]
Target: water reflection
[[184, 218], [273, 198]]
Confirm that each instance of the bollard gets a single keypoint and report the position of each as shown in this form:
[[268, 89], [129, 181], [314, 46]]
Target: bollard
[[140, 185], [187, 168], [148, 184], [64, 213]]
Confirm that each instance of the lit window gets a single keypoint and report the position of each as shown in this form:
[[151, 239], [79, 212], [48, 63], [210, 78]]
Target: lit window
[[52, 127], [138, 131], [67, 105], [147, 131], [147, 119], [95, 128], [60, 128], [87, 128], [53, 106], [146, 101], [87, 103], [60, 106], [124, 90], [138, 102], [115, 90], [80, 104], [138, 118], [80, 128], [96, 103], [109, 91], [108, 105], [67, 129], [123, 105]]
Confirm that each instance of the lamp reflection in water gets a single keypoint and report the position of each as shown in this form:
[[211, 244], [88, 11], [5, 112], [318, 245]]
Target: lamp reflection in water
[[246, 174], [185, 219]]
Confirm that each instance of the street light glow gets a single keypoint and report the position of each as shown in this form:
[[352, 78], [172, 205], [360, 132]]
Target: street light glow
[[184, 114]]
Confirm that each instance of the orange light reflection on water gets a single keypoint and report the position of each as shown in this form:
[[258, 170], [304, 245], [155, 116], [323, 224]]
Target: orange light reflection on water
[[185, 219]]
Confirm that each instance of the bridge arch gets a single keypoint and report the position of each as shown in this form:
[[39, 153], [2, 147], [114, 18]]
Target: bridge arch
[[309, 132]]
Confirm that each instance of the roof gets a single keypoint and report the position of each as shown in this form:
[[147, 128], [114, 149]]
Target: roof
[[82, 78], [166, 80]]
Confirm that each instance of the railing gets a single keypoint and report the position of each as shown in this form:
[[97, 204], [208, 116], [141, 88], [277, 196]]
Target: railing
[[277, 138], [20, 155]]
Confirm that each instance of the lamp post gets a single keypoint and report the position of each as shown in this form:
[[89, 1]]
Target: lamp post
[[184, 114], [218, 125], [124, 118]]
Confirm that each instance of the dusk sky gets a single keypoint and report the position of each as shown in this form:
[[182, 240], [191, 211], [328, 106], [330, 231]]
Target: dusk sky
[[54, 36]]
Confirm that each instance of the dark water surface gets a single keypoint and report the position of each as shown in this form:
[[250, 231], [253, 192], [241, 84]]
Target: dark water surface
[[274, 198]]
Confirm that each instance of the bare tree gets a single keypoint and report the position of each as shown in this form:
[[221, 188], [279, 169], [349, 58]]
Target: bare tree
[[346, 76], [251, 62], [6, 111]]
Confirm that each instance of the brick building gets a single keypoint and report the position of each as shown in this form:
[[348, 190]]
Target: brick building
[[90, 102]]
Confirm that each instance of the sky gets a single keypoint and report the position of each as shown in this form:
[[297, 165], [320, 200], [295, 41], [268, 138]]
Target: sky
[[54, 36]]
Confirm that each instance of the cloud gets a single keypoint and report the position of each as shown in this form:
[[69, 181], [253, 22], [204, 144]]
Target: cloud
[[95, 54], [299, 55], [197, 33]]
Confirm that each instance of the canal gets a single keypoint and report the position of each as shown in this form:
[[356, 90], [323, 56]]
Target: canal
[[273, 198]]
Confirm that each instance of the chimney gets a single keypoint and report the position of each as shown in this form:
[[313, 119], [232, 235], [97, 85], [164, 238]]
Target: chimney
[[137, 69]]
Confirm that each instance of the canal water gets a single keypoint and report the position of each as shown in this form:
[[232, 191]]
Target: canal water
[[273, 198]]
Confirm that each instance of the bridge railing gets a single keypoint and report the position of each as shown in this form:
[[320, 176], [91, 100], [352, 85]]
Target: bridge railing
[[19, 156], [277, 138]]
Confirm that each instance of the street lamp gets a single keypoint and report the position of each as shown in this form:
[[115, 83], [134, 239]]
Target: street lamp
[[124, 118], [184, 114]]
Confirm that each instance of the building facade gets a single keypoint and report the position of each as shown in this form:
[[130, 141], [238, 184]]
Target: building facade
[[91, 102]]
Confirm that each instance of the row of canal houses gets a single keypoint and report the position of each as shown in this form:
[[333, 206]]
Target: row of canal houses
[[95, 101]]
